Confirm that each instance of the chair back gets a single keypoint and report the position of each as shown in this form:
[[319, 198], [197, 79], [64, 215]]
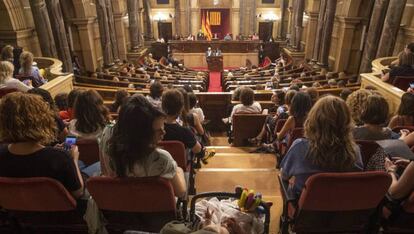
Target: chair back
[[34, 194], [146, 203], [402, 222], [88, 150], [333, 202], [40, 203], [246, 126], [403, 82], [4, 91], [368, 149], [177, 151]]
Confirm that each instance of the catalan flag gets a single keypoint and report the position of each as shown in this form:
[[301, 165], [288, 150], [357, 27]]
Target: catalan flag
[[208, 35], [215, 18]]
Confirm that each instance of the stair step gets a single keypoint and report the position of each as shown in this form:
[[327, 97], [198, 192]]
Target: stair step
[[241, 160]]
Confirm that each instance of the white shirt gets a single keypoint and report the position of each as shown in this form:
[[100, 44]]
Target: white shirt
[[12, 83], [199, 112], [240, 108]]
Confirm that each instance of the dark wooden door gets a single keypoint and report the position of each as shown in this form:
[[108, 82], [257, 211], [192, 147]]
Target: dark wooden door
[[165, 30], [265, 30]]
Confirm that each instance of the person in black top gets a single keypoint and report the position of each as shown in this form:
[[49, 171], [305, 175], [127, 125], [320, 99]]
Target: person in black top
[[172, 105], [28, 124], [405, 67]]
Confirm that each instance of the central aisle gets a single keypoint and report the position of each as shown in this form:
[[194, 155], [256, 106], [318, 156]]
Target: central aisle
[[232, 166], [215, 82]]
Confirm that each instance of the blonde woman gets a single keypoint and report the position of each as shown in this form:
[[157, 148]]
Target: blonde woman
[[7, 53], [27, 69], [6, 79], [328, 145]]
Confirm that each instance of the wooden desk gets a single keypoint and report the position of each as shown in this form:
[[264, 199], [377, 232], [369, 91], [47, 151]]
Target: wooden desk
[[224, 46], [215, 63]]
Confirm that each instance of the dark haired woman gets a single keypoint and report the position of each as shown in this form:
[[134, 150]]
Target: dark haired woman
[[129, 148], [405, 115], [121, 96], [90, 114], [328, 145]]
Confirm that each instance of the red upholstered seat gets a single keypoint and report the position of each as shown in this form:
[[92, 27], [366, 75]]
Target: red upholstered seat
[[335, 202], [5, 91], [41, 203], [88, 150], [177, 151], [146, 203], [246, 126]]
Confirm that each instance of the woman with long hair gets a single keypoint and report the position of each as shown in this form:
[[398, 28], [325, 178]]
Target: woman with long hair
[[121, 96], [328, 145], [129, 148], [405, 115], [90, 115]]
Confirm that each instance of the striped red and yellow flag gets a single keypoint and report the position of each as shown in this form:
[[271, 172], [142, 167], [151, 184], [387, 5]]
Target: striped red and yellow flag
[[215, 18], [209, 35]]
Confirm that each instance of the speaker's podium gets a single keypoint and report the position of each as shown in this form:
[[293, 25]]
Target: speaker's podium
[[215, 63]]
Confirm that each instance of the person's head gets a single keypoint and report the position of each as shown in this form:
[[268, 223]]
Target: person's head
[[7, 53], [313, 94], [90, 112], [407, 105], [61, 101], [26, 61], [121, 96], [375, 110], [409, 48], [186, 100], [294, 87], [156, 90], [355, 101], [140, 126], [247, 96], [72, 97], [341, 84], [193, 100], [406, 59], [172, 102], [278, 97], [45, 96], [289, 96], [345, 93], [332, 83], [236, 94], [6, 71], [26, 118], [328, 129], [300, 105], [316, 84]]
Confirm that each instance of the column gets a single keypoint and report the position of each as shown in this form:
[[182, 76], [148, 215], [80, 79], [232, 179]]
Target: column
[[177, 17], [43, 28], [391, 25], [311, 34], [374, 34], [319, 31], [85, 28], [347, 28], [292, 30], [148, 26], [282, 31], [59, 33], [119, 9], [132, 6], [300, 7], [242, 18], [252, 25], [327, 33], [112, 30], [103, 20]]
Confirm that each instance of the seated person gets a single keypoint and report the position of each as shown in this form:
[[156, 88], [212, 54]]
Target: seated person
[[247, 105], [67, 115], [129, 148], [374, 114], [121, 96], [405, 68], [155, 94], [355, 101], [28, 125], [194, 108], [172, 105], [409, 48], [91, 115], [329, 119], [401, 186], [27, 69], [405, 115], [6, 78], [228, 37]]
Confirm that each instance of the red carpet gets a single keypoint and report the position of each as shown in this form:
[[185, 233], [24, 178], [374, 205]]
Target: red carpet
[[215, 82]]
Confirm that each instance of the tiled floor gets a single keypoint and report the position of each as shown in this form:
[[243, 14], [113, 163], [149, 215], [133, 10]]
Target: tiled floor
[[232, 166]]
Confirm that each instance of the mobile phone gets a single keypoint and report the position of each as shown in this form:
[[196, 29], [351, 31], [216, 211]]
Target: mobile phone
[[69, 141], [412, 85]]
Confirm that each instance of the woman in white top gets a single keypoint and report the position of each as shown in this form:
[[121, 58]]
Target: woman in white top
[[129, 148], [6, 79]]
